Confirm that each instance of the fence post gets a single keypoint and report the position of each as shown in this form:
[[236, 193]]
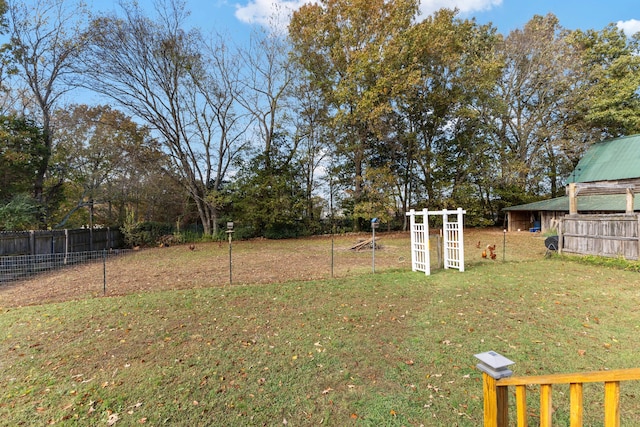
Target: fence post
[[66, 245], [496, 399], [104, 272], [495, 405], [32, 242], [573, 201]]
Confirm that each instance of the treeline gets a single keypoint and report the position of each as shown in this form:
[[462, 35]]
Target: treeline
[[353, 113]]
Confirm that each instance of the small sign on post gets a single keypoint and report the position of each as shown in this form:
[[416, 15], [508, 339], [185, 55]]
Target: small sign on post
[[229, 233], [374, 225]]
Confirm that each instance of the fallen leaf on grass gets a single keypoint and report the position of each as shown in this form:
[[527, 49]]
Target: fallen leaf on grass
[[113, 418], [582, 352], [326, 391], [354, 416]]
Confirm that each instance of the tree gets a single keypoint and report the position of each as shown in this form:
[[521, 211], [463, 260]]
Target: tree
[[156, 71], [5, 57], [22, 147], [46, 38], [313, 135], [607, 102], [440, 130], [21, 213], [379, 195], [343, 46], [268, 77], [535, 92], [216, 106], [106, 157], [269, 202]]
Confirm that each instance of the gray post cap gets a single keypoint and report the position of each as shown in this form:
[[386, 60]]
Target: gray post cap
[[494, 364]]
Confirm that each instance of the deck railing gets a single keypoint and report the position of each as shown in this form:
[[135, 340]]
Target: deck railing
[[496, 406]]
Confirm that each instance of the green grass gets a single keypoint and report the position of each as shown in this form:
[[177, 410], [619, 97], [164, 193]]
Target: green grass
[[385, 349]]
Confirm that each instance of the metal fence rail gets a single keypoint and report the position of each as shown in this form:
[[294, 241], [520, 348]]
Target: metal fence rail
[[21, 267]]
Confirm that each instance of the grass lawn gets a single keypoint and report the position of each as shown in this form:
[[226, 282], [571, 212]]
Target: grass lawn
[[394, 348]]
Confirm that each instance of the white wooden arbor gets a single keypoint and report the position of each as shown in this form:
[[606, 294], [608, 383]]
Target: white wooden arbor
[[452, 230]]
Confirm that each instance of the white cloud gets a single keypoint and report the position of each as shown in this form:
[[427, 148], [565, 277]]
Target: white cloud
[[629, 27], [268, 13], [427, 7], [276, 13]]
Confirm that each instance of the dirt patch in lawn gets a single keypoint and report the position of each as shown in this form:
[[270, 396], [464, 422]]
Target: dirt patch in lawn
[[253, 262]]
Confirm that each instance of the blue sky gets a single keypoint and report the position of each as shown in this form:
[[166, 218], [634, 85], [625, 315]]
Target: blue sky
[[235, 17]]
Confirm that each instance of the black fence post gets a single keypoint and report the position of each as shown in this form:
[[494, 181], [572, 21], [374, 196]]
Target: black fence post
[[104, 272]]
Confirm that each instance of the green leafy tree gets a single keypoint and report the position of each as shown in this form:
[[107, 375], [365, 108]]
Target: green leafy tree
[[22, 212], [379, 198], [268, 203], [442, 121], [344, 47], [22, 150], [607, 102], [108, 160]]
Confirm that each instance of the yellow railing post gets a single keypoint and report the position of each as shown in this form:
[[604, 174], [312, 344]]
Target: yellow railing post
[[490, 397], [546, 408], [496, 399], [497, 387], [575, 401], [521, 405], [612, 404]]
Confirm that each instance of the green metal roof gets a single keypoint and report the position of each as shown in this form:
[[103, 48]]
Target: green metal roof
[[594, 203], [609, 160]]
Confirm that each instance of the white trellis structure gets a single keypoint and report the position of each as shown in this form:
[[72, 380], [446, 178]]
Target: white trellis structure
[[453, 234]]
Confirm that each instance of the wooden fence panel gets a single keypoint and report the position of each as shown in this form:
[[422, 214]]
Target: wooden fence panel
[[44, 242], [15, 243], [601, 235]]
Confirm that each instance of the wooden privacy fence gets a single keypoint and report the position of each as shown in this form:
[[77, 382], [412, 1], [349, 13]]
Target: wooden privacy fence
[[43, 242], [610, 235], [496, 395]]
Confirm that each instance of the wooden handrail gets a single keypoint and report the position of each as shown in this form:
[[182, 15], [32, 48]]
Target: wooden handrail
[[496, 409], [578, 377]]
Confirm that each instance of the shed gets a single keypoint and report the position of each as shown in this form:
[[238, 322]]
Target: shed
[[604, 177]]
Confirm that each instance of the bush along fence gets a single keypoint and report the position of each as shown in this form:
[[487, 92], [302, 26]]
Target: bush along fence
[[24, 254]]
